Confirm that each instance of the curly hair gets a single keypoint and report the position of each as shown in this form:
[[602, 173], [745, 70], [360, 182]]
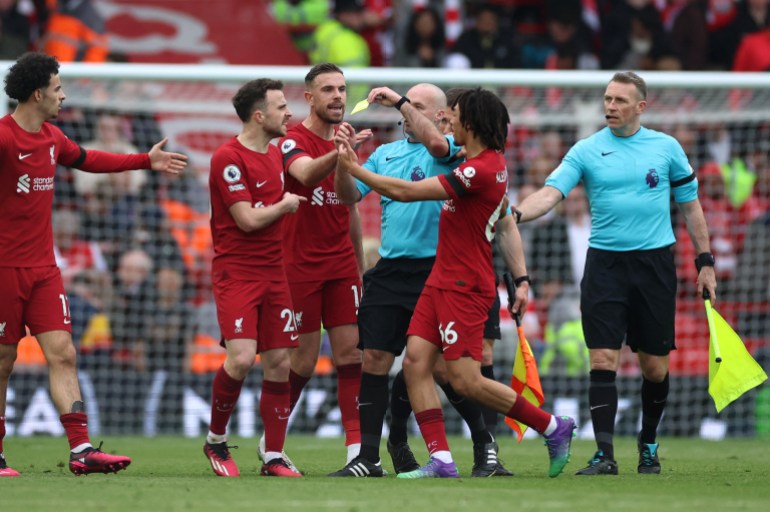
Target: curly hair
[[251, 97], [485, 115], [32, 71]]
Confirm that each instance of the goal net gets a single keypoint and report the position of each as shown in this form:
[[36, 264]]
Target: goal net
[[135, 248]]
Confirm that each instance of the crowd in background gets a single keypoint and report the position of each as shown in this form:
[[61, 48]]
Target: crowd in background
[[692, 35], [502, 34]]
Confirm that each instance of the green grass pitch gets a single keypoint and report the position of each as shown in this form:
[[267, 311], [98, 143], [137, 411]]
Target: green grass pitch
[[171, 474]]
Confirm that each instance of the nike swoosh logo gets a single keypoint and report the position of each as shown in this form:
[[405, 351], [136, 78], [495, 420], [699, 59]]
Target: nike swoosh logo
[[283, 417], [294, 337], [66, 322], [260, 183], [22, 157], [389, 158], [597, 406], [608, 153]]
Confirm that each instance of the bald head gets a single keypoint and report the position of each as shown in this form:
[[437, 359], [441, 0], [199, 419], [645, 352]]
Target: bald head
[[430, 101], [431, 96]]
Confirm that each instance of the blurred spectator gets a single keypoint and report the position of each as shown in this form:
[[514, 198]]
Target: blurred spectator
[[754, 52], [111, 133], [721, 219], [131, 308], [558, 248], [685, 22], [485, 45], [564, 346], [338, 40], [172, 324], [424, 44], [74, 254], [14, 31], [752, 279], [300, 17], [87, 296], [153, 236], [750, 16], [570, 38], [75, 32], [646, 42]]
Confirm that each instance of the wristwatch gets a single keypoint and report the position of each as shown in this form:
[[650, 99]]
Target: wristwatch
[[704, 259], [401, 102]]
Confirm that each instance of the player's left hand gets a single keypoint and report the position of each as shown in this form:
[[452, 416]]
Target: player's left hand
[[707, 279], [166, 161], [346, 157]]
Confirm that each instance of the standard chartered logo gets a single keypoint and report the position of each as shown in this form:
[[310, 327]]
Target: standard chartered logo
[[318, 197], [23, 184], [324, 197]]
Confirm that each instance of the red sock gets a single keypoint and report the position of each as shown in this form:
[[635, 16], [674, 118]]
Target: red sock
[[76, 427], [297, 383], [348, 387], [2, 432], [274, 409], [528, 414], [224, 395], [431, 423]]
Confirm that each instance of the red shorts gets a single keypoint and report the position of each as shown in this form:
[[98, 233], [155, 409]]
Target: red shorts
[[334, 302], [256, 310], [452, 321], [33, 297]]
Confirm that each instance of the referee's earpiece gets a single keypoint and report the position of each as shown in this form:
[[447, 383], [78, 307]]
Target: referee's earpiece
[[401, 122]]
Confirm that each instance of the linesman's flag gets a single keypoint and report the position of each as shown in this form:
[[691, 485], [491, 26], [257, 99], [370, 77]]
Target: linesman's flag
[[732, 370], [525, 379]]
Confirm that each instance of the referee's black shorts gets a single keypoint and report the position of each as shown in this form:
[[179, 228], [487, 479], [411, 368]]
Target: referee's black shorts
[[391, 291], [632, 296]]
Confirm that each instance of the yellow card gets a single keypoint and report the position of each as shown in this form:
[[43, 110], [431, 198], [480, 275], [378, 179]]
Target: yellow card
[[361, 105]]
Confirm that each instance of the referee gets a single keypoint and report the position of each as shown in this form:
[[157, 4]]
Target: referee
[[628, 290]]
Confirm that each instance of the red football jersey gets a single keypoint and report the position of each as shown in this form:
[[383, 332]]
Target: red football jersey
[[477, 190], [240, 174], [27, 165], [317, 245]]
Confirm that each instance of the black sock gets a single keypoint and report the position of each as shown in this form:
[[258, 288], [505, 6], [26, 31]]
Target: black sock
[[400, 409], [471, 413], [490, 415], [654, 396], [372, 404], [603, 401]]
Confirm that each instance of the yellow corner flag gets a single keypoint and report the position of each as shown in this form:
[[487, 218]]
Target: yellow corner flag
[[525, 380], [732, 370]]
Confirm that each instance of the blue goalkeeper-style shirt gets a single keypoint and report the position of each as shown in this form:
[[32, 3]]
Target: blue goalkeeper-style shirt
[[409, 230], [628, 181]]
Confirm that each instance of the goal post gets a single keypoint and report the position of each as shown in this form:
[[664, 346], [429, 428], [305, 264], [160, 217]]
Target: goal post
[[149, 348]]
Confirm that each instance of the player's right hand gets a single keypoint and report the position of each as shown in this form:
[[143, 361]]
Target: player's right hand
[[385, 96], [292, 201]]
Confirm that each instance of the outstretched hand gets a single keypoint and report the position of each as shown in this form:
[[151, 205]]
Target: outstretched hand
[[165, 161]]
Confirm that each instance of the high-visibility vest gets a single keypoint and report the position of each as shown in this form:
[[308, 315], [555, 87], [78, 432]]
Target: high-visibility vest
[[335, 43], [76, 36]]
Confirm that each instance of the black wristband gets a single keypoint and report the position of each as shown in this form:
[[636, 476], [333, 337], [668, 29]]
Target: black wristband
[[400, 103], [522, 279], [517, 215], [704, 259]]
